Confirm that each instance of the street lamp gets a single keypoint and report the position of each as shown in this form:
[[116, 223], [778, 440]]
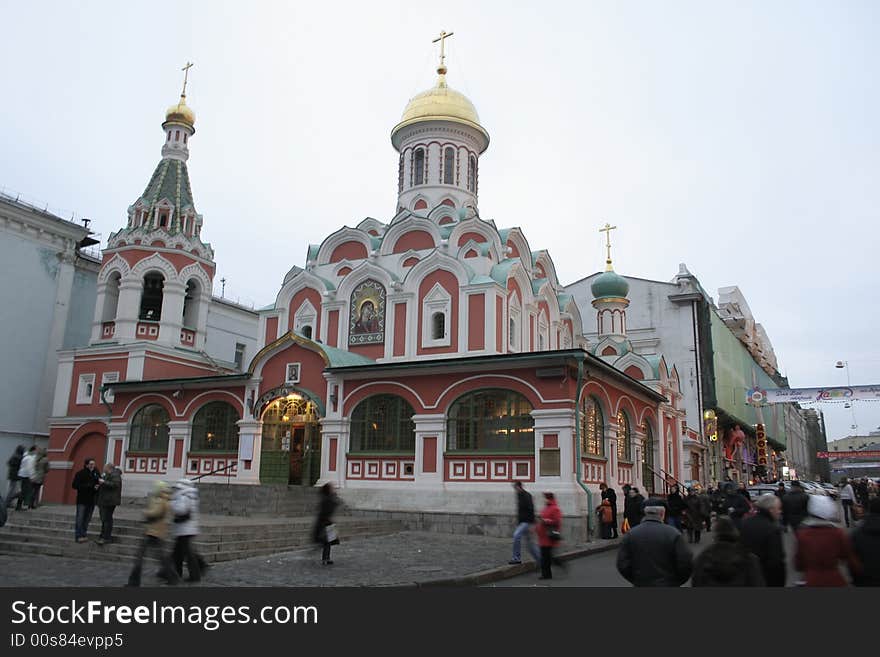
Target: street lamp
[[844, 365]]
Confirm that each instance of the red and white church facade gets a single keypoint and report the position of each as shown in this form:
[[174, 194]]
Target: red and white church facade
[[421, 364]]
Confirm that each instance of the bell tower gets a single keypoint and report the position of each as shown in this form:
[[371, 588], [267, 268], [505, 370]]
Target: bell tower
[[156, 276]]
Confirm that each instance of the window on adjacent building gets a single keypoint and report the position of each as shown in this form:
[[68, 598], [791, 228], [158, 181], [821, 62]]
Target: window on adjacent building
[[239, 356], [383, 423], [491, 420], [215, 428], [419, 166], [149, 430], [592, 427], [624, 437], [449, 166], [85, 389]]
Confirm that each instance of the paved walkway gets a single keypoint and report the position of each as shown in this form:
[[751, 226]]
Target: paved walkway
[[402, 559]]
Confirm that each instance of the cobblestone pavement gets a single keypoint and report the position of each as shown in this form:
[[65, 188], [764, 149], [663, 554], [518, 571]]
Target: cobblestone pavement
[[405, 558]]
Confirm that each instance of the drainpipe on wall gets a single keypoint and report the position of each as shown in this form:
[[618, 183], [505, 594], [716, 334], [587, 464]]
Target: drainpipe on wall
[[577, 442]]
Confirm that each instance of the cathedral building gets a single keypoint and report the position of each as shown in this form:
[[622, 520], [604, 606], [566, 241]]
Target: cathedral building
[[423, 363]]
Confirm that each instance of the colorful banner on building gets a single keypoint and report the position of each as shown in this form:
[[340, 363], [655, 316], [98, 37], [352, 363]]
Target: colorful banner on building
[[761, 444], [761, 397], [850, 454]]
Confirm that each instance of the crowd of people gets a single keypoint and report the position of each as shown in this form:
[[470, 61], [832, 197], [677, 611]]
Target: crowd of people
[[747, 549]]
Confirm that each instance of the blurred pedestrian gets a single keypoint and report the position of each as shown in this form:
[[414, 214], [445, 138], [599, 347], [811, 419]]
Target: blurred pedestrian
[[742, 490], [794, 506], [609, 494], [676, 507], [697, 509], [41, 467], [762, 535], [847, 498], [654, 554], [780, 491], [866, 545], [85, 483], [605, 514], [13, 490], [735, 505], [108, 498], [549, 530], [156, 518], [726, 562], [325, 531], [525, 520], [184, 529], [632, 507], [25, 472], [822, 545]]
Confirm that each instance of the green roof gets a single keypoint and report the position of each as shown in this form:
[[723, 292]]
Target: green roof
[[500, 271], [536, 284], [170, 181], [563, 300], [342, 358]]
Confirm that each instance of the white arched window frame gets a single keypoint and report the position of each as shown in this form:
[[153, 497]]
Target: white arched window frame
[[437, 302], [514, 323], [543, 333]]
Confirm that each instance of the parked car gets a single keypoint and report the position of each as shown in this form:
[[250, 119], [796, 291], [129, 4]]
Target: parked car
[[831, 489], [757, 490], [813, 488]]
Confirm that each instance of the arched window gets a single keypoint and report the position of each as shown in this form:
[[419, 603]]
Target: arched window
[[648, 457], [215, 428], [592, 427], [511, 333], [449, 166], [111, 298], [624, 437], [491, 420], [472, 174], [307, 331], [383, 423], [151, 297], [191, 305], [419, 167], [438, 326], [149, 430]]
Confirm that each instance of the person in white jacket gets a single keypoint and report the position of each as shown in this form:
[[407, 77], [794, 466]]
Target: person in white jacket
[[25, 472], [185, 511], [847, 498]]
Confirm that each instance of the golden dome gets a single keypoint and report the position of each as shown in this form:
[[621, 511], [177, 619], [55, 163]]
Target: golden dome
[[440, 103], [181, 113]]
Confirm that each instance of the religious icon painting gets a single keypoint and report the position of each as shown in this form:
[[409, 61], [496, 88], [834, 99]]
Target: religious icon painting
[[367, 314]]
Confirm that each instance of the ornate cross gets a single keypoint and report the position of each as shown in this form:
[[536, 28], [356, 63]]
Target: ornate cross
[[185, 70], [442, 39], [607, 230]]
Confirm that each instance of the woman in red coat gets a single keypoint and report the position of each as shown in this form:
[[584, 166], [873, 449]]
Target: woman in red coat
[[549, 519], [821, 546]]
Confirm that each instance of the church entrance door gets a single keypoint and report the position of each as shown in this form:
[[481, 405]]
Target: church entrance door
[[291, 443]]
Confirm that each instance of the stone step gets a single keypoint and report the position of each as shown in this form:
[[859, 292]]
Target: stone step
[[278, 534]]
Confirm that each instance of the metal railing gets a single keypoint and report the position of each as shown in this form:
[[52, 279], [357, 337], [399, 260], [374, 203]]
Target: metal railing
[[213, 472]]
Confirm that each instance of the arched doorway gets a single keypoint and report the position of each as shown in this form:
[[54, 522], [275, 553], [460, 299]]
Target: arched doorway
[[91, 446], [291, 442]]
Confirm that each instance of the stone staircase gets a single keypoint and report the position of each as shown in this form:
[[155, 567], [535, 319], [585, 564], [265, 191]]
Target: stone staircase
[[49, 530]]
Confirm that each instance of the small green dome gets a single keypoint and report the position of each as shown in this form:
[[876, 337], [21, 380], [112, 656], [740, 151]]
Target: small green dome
[[609, 284]]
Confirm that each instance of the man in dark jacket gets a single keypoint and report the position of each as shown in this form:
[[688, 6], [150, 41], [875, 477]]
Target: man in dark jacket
[[794, 506], [866, 544], [14, 463], [86, 484], [632, 507], [108, 498], [762, 535], [654, 553], [525, 518], [609, 494], [735, 505]]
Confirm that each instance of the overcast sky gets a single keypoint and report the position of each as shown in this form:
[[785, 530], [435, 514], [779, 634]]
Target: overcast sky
[[740, 138]]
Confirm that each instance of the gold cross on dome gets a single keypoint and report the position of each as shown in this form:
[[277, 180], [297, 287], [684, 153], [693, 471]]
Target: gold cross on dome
[[185, 70], [607, 230], [442, 39]]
